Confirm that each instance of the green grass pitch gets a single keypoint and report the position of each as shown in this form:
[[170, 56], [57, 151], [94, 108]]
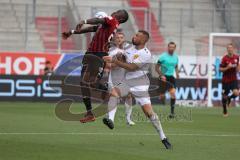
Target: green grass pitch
[[31, 131]]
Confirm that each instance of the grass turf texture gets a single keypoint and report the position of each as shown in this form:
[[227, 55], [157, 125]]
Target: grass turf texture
[[31, 131]]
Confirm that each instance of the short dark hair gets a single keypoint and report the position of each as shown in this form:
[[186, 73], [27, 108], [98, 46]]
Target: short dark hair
[[119, 30], [172, 43], [145, 33], [230, 44], [120, 33], [125, 13]]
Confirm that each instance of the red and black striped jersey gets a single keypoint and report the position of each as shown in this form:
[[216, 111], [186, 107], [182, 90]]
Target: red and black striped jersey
[[103, 35], [231, 74]]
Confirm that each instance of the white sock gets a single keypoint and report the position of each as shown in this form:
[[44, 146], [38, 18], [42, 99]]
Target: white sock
[[157, 125], [112, 107], [111, 114], [128, 112]]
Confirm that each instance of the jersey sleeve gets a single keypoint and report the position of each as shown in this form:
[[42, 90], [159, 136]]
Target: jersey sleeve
[[160, 59]]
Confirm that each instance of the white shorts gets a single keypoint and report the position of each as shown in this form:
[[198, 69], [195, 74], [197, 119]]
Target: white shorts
[[138, 88], [141, 94]]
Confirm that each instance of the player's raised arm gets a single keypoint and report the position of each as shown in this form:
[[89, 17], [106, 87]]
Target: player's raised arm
[[92, 21], [127, 66], [118, 17], [116, 60], [66, 35]]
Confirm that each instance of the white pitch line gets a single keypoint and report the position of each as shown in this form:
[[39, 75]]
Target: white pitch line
[[116, 134]]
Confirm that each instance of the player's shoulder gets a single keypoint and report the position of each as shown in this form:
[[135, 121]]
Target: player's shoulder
[[175, 54], [236, 56], [225, 56], [111, 20], [130, 50], [146, 51], [163, 54]]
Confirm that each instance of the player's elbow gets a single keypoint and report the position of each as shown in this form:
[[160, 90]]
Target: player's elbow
[[221, 69]]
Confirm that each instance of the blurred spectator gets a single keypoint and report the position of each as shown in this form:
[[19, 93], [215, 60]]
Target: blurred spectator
[[48, 70]]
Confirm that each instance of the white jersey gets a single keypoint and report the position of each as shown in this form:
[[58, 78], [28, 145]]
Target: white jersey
[[116, 74], [140, 57]]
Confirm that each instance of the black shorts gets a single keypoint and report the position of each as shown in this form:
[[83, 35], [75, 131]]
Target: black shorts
[[93, 63], [227, 87], [166, 86]]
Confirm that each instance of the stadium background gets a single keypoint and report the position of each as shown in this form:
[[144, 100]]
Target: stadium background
[[30, 34], [35, 26]]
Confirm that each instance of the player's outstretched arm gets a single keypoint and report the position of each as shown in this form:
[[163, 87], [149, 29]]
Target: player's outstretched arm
[[127, 66], [66, 35], [92, 21]]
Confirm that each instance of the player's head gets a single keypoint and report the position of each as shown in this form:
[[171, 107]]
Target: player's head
[[140, 38], [230, 48], [121, 15], [48, 63], [119, 39], [171, 47]]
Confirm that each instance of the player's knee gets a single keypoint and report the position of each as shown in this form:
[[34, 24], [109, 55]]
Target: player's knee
[[147, 109], [172, 93], [115, 92], [129, 99], [149, 114], [236, 92]]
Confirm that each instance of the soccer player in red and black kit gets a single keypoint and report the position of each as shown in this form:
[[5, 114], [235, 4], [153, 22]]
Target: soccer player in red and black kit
[[93, 65], [229, 66]]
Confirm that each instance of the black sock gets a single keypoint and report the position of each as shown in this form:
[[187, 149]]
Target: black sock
[[224, 103], [87, 102], [172, 103], [86, 93]]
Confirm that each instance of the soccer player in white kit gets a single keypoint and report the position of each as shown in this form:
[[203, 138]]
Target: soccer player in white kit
[[116, 76], [137, 63]]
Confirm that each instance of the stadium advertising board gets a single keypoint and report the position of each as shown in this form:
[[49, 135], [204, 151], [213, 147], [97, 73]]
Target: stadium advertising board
[[29, 88], [22, 77], [41, 88], [193, 67], [34, 63], [196, 67]]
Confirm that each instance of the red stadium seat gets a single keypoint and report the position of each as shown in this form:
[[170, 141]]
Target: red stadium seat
[[48, 29], [157, 40]]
